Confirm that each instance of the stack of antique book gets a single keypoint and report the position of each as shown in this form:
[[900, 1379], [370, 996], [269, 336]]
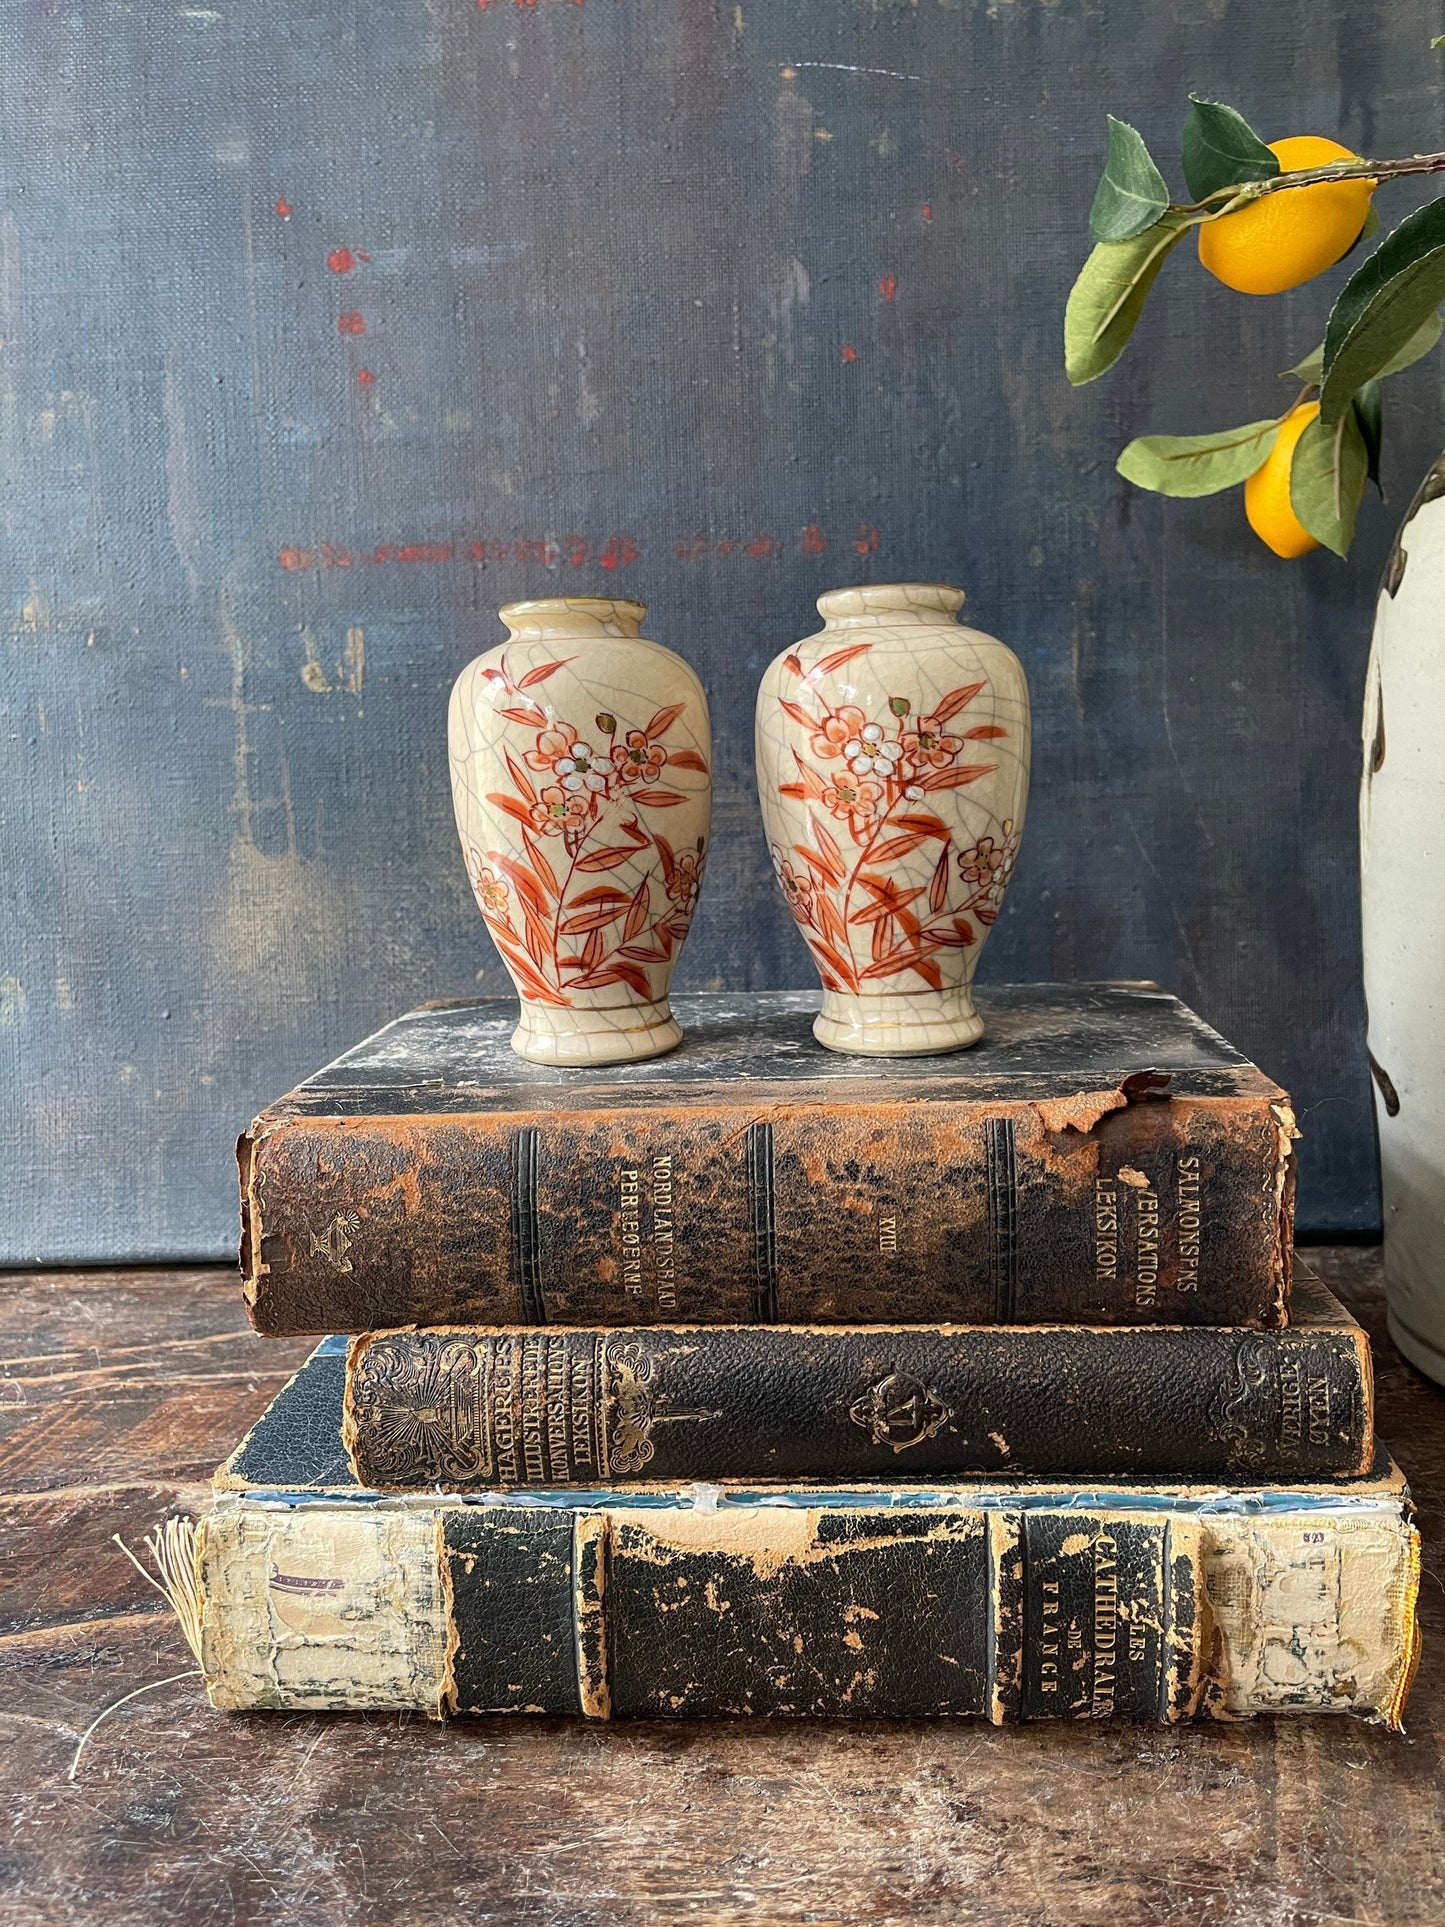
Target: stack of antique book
[[761, 1380]]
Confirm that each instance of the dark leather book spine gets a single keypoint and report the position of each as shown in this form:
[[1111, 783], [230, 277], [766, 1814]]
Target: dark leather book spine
[[1023, 1615], [1165, 1210], [462, 1409]]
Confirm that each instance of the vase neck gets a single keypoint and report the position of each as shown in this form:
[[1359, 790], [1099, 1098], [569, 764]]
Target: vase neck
[[573, 618], [890, 605]]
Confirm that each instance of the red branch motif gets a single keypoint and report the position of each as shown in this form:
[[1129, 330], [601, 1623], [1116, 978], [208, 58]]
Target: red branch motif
[[867, 787], [581, 813]]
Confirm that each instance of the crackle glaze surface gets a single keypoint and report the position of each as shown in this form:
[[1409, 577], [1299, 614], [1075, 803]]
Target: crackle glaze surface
[[893, 768], [1402, 876], [581, 776]]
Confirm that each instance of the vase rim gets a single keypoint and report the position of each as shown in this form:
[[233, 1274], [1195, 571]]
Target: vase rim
[[600, 608], [884, 598]]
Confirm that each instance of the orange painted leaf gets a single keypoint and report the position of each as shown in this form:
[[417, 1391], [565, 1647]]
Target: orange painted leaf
[[825, 665], [955, 700], [604, 859], [952, 779], [985, 732], [533, 717], [928, 971], [634, 978], [594, 950], [536, 856], [924, 822], [669, 860], [795, 790], [796, 713], [820, 867], [636, 911], [898, 846], [509, 806], [828, 844], [599, 893], [831, 919], [836, 962], [658, 799], [938, 888], [528, 979], [528, 888], [520, 777], [639, 837], [687, 759], [542, 672], [639, 955], [664, 720], [793, 663]]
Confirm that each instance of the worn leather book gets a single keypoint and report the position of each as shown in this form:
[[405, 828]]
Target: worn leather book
[[1101, 1157], [1005, 1601], [458, 1407]]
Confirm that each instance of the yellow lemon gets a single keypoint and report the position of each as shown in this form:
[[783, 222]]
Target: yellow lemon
[[1266, 493], [1283, 239]]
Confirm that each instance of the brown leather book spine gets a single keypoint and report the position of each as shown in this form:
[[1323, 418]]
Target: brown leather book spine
[[1154, 1210], [471, 1409]]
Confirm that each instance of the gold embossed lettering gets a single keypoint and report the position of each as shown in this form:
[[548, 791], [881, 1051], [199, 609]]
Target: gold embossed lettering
[[888, 1234], [1146, 1264], [1106, 1229], [630, 1226], [1106, 1625], [1190, 1220], [664, 1250]]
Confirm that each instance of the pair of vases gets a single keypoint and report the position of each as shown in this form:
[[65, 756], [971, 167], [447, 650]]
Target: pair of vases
[[892, 761]]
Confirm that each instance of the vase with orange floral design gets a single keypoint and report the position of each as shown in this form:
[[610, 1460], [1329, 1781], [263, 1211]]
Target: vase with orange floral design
[[581, 762], [893, 769]]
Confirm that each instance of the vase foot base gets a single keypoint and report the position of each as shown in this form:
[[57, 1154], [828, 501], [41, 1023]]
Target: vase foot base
[[578, 1038], [897, 1026]]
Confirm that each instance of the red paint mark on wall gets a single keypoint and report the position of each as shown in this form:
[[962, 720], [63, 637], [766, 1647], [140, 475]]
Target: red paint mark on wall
[[850, 353], [350, 323], [341, 260], [611, 552], [283, 208], [888, 286], [619, 551], [366, 378]]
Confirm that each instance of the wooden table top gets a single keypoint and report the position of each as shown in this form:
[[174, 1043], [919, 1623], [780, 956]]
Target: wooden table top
[[122, 1390]]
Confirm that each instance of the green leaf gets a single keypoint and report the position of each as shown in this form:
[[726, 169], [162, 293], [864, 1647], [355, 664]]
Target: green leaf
[[1197, 464], [1369, 414], [1420, 343], [1221, 149], [1327, 479], [1133, 193], [1312, 368], [1387, 300], [1109, 295]]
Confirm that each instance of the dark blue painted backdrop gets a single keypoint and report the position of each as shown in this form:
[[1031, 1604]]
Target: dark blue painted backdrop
[[326, 328]]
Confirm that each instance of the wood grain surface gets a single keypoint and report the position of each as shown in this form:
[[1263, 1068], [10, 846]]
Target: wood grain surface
[[326, 329], [120, 1393]]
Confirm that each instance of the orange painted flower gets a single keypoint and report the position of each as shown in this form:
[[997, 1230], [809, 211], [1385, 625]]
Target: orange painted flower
[[858, 799], [871, 753], [556, 810], [929, 744], [837, 728], [686, 879], [638, 760], [572, 762], [797, 887], [487, 886]]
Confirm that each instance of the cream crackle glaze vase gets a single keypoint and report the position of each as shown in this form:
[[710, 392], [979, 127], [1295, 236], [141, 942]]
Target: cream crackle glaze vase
[[1402, 872], [581, 774], [893, 767]]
